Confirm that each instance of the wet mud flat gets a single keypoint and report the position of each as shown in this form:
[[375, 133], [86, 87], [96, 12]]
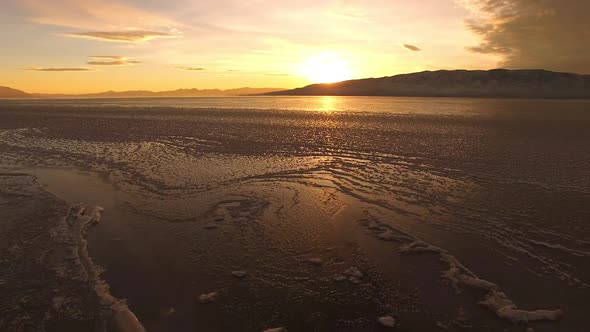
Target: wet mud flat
[[219, 221]]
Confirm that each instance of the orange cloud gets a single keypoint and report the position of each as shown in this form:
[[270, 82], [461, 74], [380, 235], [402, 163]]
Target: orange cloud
[[411, 47], [94, 14], [130, 36], [110, 57], [113, 63], [111, 60], [74, 69], [191, 68]]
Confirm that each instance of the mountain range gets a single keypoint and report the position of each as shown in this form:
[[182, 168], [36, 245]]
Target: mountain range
[[496, 83], [6, 92]]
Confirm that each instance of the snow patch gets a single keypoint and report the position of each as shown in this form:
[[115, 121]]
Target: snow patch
[[210, 225], [353, 275], [339, 277], [208, 298], [522, 316], [239, 274], [387, 321], [316, 261]]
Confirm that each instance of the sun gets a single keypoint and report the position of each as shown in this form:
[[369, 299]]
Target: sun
[[326, 68]]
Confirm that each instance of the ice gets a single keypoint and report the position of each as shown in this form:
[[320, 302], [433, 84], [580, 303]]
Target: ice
[[209, 297], [459, 275], [522, 316], [124, 319], [354, 272], [574, 252], [353, 275], [387, 321], [78, 222], [339, 277], [442, 326], [57, 302], [239, 274], [316, 261], [429, 180], [167, 312], [355, 280], [418, 246], [388, 235], [496, 300], [506, 309]]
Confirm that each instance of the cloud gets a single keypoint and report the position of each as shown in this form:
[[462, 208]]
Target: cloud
[[348, 12], [129, 36], [411, 47], [549, 34], [110, 57], [75, 69], [113, 63], [94, 14], [111, 60], [191, 68]]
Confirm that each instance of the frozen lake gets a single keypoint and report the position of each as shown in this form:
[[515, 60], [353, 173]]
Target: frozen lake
[[439, 212]]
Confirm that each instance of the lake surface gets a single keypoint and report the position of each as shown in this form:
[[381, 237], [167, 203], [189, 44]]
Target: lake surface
[[443, 213]]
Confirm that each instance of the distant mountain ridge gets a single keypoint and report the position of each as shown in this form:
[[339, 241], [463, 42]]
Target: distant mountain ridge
[[495, 83], [6, 92], [180, 93]]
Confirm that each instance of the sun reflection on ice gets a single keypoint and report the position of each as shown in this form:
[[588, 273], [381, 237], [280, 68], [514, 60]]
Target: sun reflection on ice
[[328, 104]]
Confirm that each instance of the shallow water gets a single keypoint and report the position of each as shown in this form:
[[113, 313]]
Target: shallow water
[[195, 188]]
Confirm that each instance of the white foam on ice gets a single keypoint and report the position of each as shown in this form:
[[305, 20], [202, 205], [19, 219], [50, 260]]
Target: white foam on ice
[[459, 275], [79, 220], [574, 252]]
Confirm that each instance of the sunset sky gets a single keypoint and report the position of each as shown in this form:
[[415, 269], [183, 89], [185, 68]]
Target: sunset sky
[[69, 46]]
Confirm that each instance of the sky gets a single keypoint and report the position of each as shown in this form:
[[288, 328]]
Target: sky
[[82, 46]]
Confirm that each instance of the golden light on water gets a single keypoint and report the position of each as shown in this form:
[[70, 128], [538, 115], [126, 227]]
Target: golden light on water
[[327, 103]]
